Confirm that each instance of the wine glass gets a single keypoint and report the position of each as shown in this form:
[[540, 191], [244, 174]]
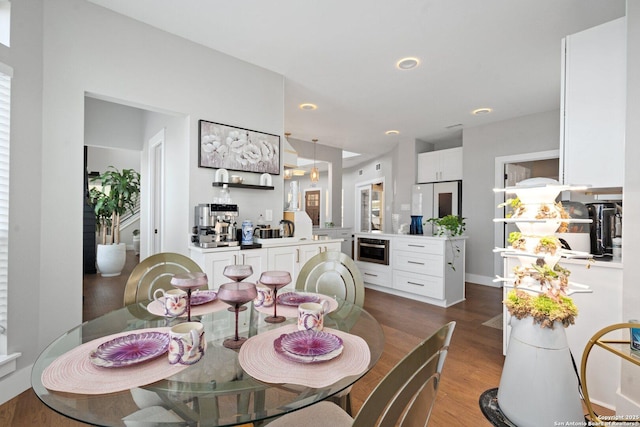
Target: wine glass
[[189, 281], [236, 294], [237, 273], [275, 280]]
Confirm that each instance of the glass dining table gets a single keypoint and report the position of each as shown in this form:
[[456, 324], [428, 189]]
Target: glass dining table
[[215, 391]]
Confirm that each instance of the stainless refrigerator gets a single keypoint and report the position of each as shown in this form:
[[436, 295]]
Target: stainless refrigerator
[[436, 200]]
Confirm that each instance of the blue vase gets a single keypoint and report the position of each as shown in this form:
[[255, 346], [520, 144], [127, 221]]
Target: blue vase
[[416, 224]]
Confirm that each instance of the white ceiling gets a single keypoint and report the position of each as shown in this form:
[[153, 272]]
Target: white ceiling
[[341, 55]]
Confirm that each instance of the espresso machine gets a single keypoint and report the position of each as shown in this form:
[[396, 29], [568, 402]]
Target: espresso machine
[[606, 224], [215, 225]]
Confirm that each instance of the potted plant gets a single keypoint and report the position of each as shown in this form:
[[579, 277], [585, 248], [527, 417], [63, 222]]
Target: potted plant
[[449, 226], [119, 194]]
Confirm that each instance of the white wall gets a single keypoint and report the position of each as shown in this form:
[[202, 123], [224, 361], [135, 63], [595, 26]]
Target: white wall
[[482, 144], [141, 66], [112, 125], [629, 401], [25, 278]]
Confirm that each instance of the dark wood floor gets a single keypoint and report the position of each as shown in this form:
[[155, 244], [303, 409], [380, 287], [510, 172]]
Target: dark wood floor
[[473, 365]]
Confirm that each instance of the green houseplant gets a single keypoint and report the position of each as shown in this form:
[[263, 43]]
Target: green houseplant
[[449, 226], [119, 194]]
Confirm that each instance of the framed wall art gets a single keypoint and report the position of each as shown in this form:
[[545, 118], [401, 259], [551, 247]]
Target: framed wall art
[[232, 148]]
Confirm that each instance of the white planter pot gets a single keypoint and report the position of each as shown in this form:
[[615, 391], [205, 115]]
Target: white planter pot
[[110, 259], [539, 386], [136, 244]]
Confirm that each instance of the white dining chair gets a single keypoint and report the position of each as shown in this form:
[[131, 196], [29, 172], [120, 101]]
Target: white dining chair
[[404, 397]]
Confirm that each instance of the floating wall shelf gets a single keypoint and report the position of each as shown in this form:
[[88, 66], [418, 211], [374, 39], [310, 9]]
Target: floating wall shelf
[[252, 186]]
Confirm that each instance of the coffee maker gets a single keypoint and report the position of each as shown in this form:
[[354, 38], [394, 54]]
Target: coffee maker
[[215, 225], [606, 223]]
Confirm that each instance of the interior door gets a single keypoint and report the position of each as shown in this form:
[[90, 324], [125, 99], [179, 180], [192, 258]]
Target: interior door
[[364, 209], [312, 206], [156, 178]]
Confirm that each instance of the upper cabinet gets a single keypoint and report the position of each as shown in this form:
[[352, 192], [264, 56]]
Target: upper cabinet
[[442, 165], [593, 106]]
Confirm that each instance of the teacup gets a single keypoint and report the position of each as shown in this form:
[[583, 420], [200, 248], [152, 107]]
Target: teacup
[[174, 301], [311, 315], [265, 296], [186, 343]]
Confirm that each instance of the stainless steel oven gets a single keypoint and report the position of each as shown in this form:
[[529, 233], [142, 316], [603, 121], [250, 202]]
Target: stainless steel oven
[[373, 250]]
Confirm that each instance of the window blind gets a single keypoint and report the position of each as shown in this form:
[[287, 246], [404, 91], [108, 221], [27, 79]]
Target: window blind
[[5, 103]]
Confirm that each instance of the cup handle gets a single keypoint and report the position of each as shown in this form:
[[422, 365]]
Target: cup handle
[[325, 306], [195, 339], [155, 296]]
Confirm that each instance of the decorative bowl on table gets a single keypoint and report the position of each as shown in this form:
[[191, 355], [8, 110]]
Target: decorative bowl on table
[[308, 346], [130, 349], [296, 298]]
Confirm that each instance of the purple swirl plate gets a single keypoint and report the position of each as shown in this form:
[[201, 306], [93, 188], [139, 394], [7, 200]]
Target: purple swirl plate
[[310, 343], [297, 298], [277, 344], [130, 349], [203, 297]]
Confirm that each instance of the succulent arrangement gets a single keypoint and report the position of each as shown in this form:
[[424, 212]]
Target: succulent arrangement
[[541, 286]]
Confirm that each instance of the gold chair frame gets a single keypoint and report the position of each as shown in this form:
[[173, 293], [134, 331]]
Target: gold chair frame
[[613, 346], [155, 272]]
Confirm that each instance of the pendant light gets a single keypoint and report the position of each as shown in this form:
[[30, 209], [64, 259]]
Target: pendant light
[[315, 174]]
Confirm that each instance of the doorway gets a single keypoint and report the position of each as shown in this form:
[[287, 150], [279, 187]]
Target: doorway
[[509, 170], [370, 207], [312, 206]]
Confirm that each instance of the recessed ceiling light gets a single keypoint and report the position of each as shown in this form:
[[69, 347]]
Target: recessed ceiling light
[[407, 63], [308, 106], [392, 132], [481, 111]]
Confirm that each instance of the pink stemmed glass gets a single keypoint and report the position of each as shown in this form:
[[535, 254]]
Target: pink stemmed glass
[[236, 294], [237, 273], [189, 281], [275, 280]]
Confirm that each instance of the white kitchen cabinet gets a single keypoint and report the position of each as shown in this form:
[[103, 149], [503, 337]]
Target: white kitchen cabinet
[[287, 257], [424, 268], [213, 263], [346, 234], [376, 274], [593, 106], [432, 268], [257, 259], [292, 258], [441, 165]]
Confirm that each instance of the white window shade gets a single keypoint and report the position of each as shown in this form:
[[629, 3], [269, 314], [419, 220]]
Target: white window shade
[[5, 102]]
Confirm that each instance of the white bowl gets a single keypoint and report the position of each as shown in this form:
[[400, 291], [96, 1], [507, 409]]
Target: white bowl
[[236, 179]]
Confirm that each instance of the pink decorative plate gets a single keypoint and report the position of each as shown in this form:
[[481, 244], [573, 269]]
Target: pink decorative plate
[[130, 349], [203, 297], [310, 343], [295, 298], [277, 345]]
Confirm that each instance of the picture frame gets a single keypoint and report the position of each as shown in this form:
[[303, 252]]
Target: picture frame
[[228, 147]]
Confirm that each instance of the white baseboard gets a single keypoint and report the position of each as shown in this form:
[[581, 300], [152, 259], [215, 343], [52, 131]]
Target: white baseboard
[[482, 280], [626, 406], [15, 383]]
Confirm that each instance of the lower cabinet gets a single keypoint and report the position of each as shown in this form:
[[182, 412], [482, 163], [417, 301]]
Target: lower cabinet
[[376, 274], [213, 263], [287, 258], [293, 258], [428, 269]]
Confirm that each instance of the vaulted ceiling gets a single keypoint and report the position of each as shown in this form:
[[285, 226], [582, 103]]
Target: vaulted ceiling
[[341, 56]]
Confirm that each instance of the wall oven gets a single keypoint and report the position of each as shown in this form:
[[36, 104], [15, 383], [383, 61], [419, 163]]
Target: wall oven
[[373, 250]]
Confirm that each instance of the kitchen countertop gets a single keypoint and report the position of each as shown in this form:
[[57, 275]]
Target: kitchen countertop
[[270, 243], [419, 236]]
